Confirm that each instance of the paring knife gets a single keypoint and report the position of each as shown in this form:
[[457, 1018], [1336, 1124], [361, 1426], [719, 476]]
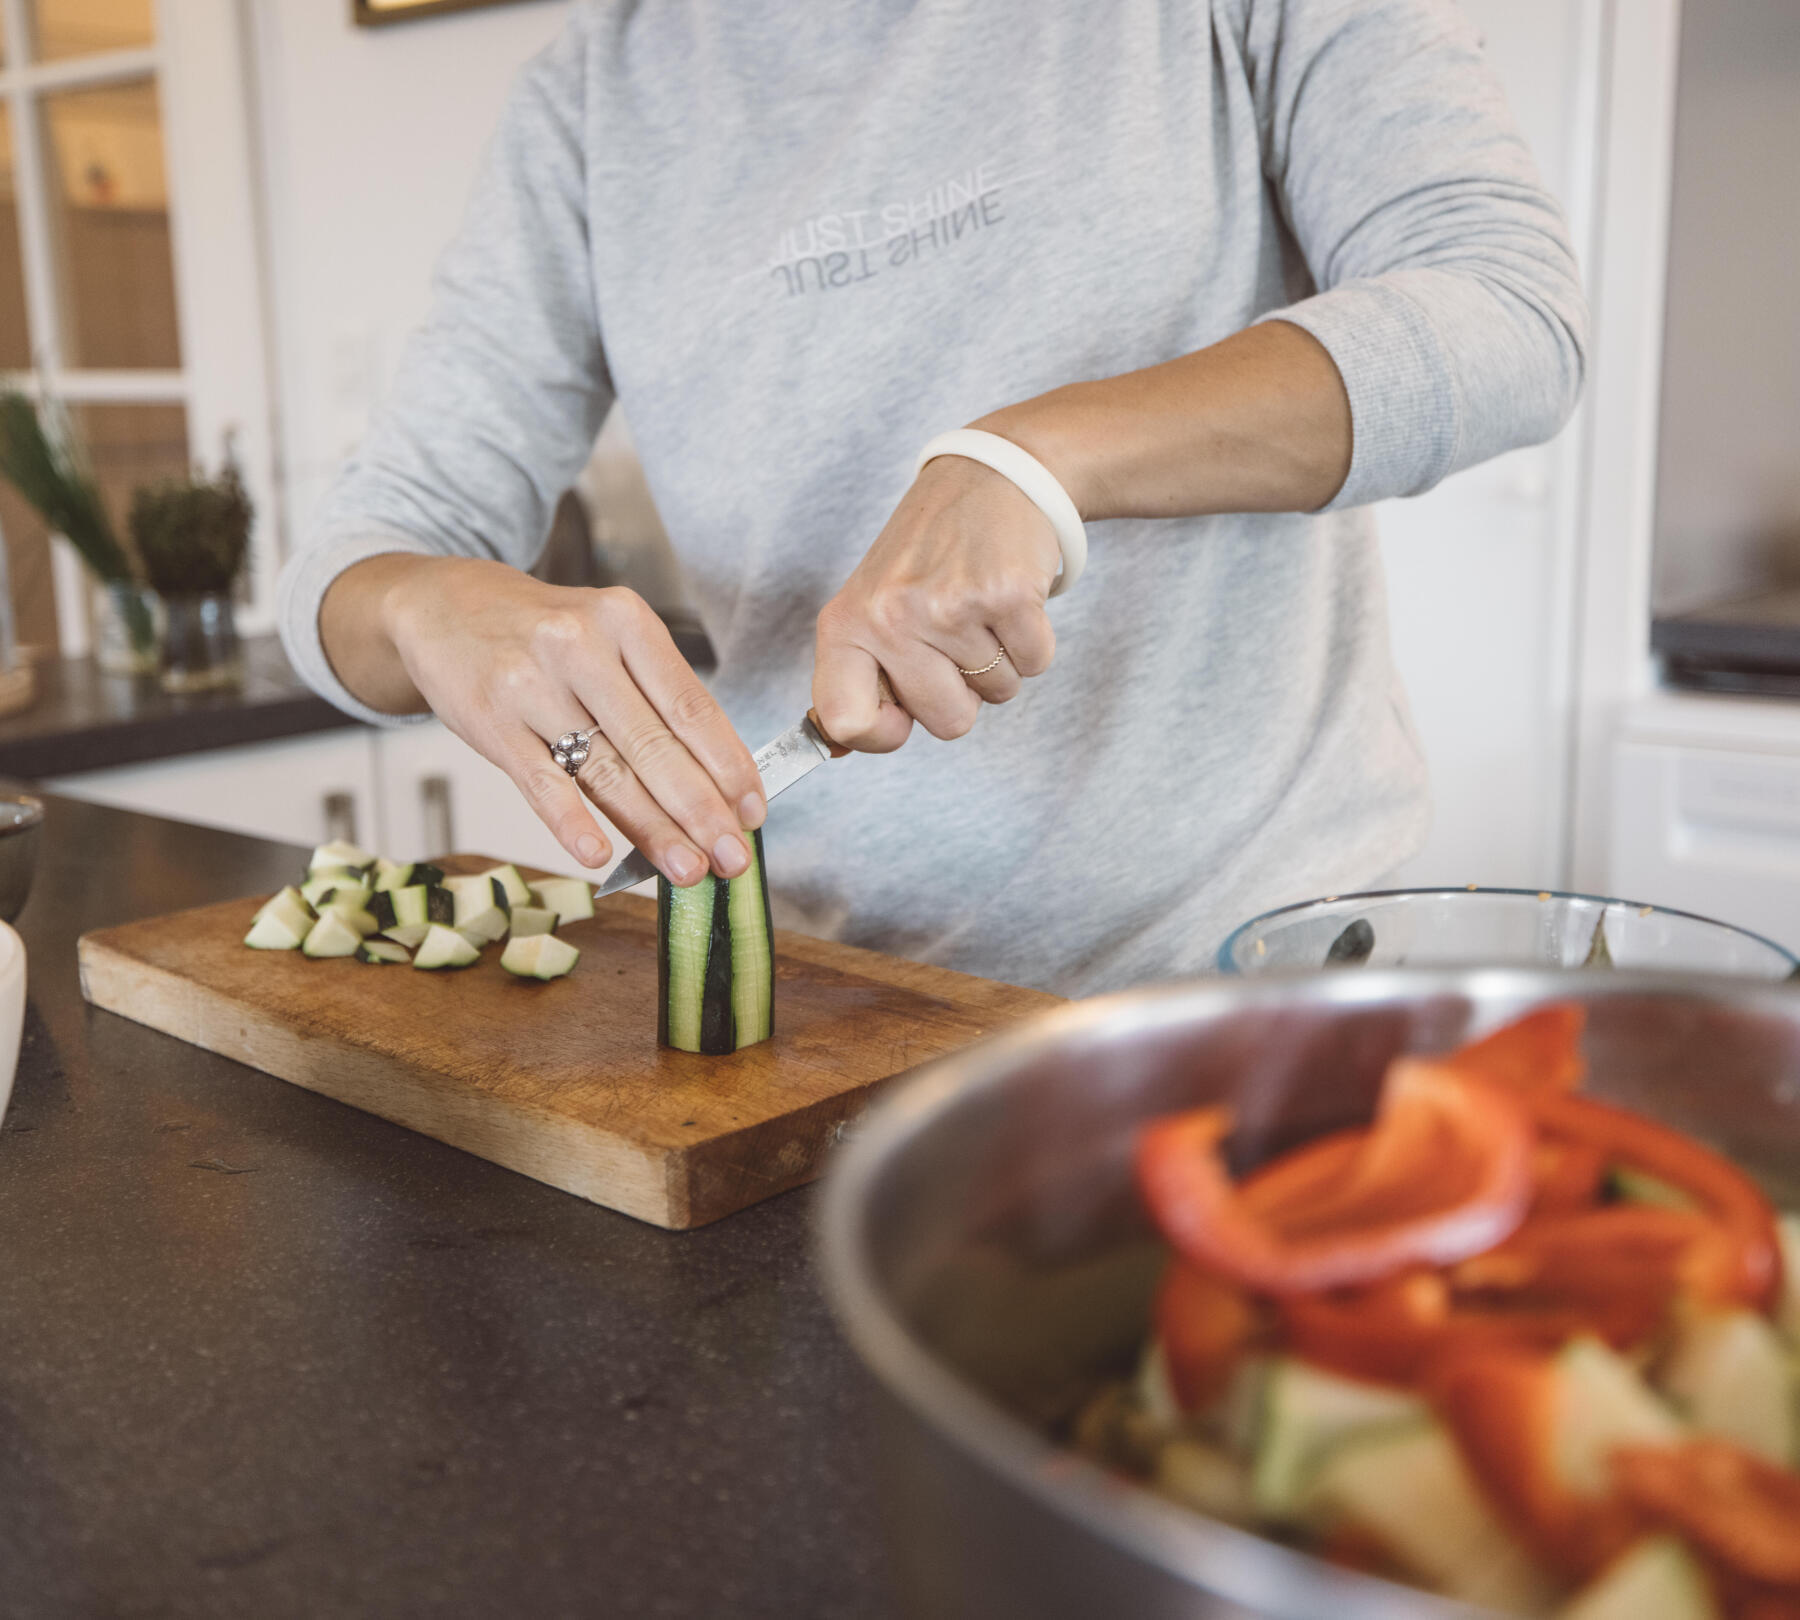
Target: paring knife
[[781, 763]]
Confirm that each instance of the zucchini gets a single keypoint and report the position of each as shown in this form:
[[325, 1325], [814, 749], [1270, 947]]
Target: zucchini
[[319, 891], [517, 893], [381, 951], [281, 924], [539, 956], [715, 961], [331, 935], [340, 853], [362, 921], [481, 910], [530, 920], [416, 903], [1657, 1579], [443, 948], [407, 934], [1306, 1412], [392, 875], [1207, 1479], [572, 899], [1600, 1403], [1728, 1375], [1409, 1489], [1640, 1187]]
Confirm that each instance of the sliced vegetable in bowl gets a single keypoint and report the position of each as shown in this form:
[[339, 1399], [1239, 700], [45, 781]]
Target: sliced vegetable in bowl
[[1509, 1342]]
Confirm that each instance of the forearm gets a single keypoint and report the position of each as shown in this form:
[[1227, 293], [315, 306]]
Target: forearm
[[355, 630], [1257, 423]]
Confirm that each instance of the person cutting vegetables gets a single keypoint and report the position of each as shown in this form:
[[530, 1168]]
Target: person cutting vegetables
[[1039, 356]]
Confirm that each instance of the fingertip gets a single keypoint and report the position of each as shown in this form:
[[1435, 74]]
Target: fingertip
[[591, 850]]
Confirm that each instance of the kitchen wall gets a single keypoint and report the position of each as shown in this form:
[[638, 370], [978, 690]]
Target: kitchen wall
[[370, 137]]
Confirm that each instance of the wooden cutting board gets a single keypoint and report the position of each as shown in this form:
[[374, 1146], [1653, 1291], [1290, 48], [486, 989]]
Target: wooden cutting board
[[561, 1081]]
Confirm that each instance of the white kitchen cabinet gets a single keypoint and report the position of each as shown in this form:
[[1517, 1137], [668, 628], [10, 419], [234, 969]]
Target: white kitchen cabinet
[[302, 790], [1706, 811]]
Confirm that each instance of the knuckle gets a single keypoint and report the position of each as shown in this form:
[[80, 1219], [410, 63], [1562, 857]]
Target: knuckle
[[650, 742], [619, 608], [542, 786], [558, 631], [605, 775], [891, 612], [692, 707], [513, 673], [944, 610]]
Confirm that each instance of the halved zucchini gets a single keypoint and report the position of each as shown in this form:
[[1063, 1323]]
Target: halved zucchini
[[715, 961], [444, 948], [539, 956]]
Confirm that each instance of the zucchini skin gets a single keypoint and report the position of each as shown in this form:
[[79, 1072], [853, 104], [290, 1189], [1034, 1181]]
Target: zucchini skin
[[718, 1018]]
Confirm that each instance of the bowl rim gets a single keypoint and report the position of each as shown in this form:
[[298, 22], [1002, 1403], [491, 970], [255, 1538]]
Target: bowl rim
[[33, 816], [1238, 1565], [1225, 963]]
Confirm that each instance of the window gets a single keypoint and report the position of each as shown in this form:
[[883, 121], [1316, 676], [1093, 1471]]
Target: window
[[129, 282]]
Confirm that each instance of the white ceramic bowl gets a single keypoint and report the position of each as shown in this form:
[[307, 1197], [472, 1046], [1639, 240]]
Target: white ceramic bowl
[[12, 1009]]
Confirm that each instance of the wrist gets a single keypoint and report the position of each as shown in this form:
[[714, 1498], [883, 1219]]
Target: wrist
[[1050, 428]]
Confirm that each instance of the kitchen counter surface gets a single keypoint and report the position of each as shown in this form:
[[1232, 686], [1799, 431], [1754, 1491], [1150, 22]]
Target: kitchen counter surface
[[261, 1354], [83, 720]]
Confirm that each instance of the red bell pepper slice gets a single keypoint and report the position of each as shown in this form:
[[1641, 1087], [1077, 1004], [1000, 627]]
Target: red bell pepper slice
[[1713, 1181], [1741, 1510], [1444, 1173], [1540, 1052], [1203, 1324], [1502, 1410], [1566, 1176]]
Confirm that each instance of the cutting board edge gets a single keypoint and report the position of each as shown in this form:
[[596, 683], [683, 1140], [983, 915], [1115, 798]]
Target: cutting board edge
[[647, 1184]]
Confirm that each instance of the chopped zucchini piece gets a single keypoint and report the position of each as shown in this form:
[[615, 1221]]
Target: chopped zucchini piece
[[390, 875], [362, 921], [1600, 1403], [529, 920], [1154, 1393], [1656, 1579], [283, 929], [1640, 1187], [482, 909], [289, 897], [539, 956], [1306, 1412], [331, 935], [444, 948], [340, 853], [1409, 1489], [344, 887], [416, 903], [1728, 1374], [517, 892], [381, 951], [407, 934], [572, 899]]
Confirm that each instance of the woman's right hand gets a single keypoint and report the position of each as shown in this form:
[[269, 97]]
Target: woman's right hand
[[509, 663]]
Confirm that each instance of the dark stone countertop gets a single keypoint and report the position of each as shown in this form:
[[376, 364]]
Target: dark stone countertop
[[261, 1354], [84, 720]]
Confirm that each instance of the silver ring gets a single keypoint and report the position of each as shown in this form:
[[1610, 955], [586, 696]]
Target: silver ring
[[570, 750], [999, 657]]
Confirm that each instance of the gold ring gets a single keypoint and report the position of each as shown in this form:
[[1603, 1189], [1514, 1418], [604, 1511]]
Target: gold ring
[[998, 657]]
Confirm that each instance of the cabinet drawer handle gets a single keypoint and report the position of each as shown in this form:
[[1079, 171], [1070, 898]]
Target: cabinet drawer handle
[[434, 808], [340, 817]]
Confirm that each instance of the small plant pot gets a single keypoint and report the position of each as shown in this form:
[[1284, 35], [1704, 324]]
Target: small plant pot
[[201, 652], [127, 623]]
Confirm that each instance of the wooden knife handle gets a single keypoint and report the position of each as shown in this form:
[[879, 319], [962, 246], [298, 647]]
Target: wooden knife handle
[[838, 750]]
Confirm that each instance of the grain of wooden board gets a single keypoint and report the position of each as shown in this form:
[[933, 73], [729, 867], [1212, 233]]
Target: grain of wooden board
[[561, 1081]]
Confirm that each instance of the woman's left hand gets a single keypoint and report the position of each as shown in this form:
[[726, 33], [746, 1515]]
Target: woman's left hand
[[962, 569]]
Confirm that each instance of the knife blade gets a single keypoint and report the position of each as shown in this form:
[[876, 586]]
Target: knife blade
[[781, 763]]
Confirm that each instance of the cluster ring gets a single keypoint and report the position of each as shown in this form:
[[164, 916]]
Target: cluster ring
[[997, 660], [570, 750]]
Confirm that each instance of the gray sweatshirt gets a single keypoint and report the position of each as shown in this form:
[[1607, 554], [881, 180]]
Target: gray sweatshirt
[[798, 240]]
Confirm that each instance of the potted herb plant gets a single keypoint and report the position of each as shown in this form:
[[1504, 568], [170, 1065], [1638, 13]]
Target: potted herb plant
[[192, 537], [42, 457]]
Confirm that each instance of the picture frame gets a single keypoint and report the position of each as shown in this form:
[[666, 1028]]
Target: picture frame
[[380, 13]]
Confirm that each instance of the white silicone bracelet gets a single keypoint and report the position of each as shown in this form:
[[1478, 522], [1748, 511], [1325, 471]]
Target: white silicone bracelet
[[1036, 483]]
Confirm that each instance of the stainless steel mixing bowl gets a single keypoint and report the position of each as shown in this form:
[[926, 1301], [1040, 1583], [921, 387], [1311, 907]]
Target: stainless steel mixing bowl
[[987, 1256]]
